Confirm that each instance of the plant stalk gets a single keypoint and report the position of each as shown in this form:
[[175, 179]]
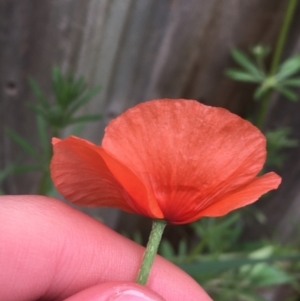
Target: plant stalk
[[158, 227], [284, 30]]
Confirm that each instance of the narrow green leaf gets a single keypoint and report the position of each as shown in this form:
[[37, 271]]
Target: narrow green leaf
[[58, 85], [289, 67], [38, 93], [82, 100], [287, 93], [78, 87], [266, 275], [277, 141], [245, 62], [259, 92], [86, 118], [22, 143], [293, 82], [218, 265], [241, 76]]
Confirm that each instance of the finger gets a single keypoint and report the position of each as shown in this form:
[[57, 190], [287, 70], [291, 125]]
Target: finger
[[50, 250], [118, 291]]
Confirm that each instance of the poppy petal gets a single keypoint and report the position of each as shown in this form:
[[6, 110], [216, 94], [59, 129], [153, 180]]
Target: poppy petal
[[82, 176], [245, 196], [185, 151], [77, 162], [134, 187]]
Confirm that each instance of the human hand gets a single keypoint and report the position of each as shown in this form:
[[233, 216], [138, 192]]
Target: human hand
[[50, 251]]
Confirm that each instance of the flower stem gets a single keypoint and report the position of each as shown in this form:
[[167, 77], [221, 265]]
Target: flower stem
[[286, 23], [158, 227]]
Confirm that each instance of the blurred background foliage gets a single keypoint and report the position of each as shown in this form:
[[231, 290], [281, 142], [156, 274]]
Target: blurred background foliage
[[222, 254]]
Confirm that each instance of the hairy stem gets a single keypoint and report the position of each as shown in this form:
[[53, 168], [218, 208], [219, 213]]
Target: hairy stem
[[158, 227]]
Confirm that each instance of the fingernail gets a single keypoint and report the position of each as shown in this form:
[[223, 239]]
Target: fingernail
[[116, 291], [130, 295]]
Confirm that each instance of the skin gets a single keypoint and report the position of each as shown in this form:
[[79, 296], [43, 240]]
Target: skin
[[50, 251]]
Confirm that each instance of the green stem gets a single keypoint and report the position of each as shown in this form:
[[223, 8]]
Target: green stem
[[158, 227], [286, 23]]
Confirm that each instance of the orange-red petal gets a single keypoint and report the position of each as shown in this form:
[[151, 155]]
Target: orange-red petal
[[244, 196], [86, 175], [135, 188], [82, 176], [189, 155]]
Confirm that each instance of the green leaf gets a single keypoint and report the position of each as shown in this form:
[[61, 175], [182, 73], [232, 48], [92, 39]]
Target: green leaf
[[259, 92], [277, 141], [217, 265], [290, 95], [86, 118], [279, 138], [293, 82], [241, 76], [289, 67], [22, 143], [266, 275], [245, 62], [78, 87], [82, 100], [38, 93]]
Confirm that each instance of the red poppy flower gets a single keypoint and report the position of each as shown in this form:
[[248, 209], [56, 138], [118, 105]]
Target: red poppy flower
[[176, 160]]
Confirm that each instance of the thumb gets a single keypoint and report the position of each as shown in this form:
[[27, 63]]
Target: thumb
[[116, 291]]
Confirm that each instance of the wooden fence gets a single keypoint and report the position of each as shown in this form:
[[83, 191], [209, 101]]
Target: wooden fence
[[138, 50]]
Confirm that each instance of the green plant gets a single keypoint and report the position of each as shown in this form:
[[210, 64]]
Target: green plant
[[281, 81], [254, 71], [229, 269], [53, 115], [70, 94], [277, 141], [280, 77]]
